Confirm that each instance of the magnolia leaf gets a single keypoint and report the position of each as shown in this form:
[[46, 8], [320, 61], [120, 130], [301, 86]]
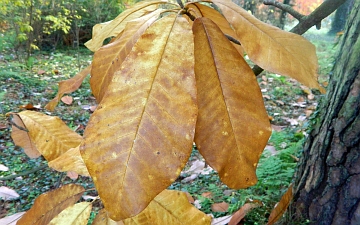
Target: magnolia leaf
[[71, 160], [102, 218], [49, 134], [142, 147], [75, 214], [21, 138], [116, 26], [281, 207], [201, 10], [108, 59], [271, 48], [11, 220], [50, 204], [68, 86], [169, 207], [232, 127], [8, 194]]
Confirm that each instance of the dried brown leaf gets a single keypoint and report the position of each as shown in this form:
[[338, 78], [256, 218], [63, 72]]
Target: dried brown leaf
[[116, 26], [21, 138], [241, 213], [170, 207], [232, 127], [137, 134], [8, 193], [281, 207], [68, 86], [75, 214], [220, 207], [108, 59], [55, 201], [11, 220], [48, 135], [67, 100], [271, 48], [71, 160]]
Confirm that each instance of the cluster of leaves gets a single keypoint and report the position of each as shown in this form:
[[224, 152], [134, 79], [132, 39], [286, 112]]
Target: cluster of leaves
[[169, 77]]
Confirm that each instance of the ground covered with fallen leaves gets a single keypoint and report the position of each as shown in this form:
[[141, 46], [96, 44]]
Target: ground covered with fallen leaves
[[30, 84]]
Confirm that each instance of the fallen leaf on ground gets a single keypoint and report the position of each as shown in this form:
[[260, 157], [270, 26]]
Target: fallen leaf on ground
[[67, 100], [281, 207], [196, 167], [271, 149], [190, 198], [86, 197], [277, 128], [207, 194], [72, 175], [30, 106], [8, 194], [308, 113], [241, 213], [40, 72], [3, 168], [221, 220], [220, 207], [311, 96], [11, 220], [300, 99]]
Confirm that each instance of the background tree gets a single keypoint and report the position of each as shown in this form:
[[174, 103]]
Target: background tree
[[341, 14], [327, 181]]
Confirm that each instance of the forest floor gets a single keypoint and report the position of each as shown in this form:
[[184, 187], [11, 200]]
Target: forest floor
[[31, 84]]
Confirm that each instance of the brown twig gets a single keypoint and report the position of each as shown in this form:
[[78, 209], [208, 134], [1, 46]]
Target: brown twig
[[284, 7]]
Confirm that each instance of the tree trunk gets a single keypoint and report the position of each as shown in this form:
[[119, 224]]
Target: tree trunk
[[340, 17], [283, 16], [327, 182]]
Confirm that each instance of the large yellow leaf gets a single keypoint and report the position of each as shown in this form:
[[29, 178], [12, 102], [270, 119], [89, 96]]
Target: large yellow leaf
[[108, 59], [68, 86], [271, 48], [232, 127], [169, 207], [50, 204], [22, 139], [71, 160], [49, 134], [114, 27], [140, 136], [73, 215]]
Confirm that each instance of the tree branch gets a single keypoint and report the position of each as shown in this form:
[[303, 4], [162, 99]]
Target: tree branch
[[284, 7], [314, 18], [321, 12]]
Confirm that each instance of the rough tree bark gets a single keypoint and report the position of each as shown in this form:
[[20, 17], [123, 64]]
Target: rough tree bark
[[327, 182]]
